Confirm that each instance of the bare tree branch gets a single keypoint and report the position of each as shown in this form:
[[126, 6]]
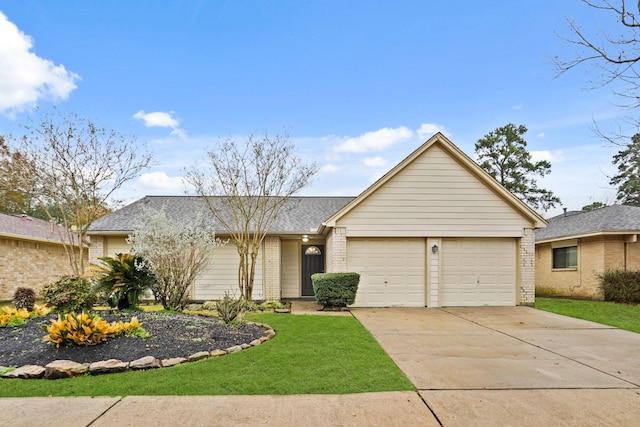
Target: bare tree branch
[[246, 185], [72, 168]]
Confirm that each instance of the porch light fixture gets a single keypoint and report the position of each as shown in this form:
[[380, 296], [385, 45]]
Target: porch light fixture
[[434, 249], [305, 238]]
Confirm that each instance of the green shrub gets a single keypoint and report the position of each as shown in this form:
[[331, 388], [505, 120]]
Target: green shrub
[[69, 293], [230, 309], [121, 280], [335, 289], [24, 298], [620, 286]]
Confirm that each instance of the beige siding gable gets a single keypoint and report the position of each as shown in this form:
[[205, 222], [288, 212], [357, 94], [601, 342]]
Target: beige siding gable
[[434, 195]]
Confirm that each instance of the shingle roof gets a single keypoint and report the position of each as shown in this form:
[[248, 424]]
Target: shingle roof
[[302, 215], [28, 227], [609, 219]]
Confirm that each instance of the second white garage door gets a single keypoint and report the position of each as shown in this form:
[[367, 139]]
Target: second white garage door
[[477, 272], [391, 271]]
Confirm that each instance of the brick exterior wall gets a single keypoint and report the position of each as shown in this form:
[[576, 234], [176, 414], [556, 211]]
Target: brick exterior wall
[[527, 268], [30, 264], [337, 251], [595, 255], [271, 278]]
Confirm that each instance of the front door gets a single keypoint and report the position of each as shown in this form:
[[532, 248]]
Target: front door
[[312, 262]]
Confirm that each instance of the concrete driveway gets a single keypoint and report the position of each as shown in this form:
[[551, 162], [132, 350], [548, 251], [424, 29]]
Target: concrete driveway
[[514, 366]]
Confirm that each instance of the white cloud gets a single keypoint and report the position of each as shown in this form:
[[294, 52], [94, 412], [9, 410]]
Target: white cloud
[[161, 119], [160, 183], [329, 169], [25, 77], [427, 130], [517, 107], [541, 135], [374, 141], [551, 156], [374, 162]]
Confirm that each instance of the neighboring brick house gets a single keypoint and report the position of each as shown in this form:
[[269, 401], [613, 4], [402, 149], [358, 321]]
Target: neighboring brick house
[[579, 245], [436, 230], [31, 254]]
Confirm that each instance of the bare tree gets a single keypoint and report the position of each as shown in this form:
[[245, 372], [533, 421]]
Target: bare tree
[[72, 168], [613, 53], [247, 185]]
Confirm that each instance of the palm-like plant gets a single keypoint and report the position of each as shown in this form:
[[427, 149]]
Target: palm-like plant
[[122, 279]]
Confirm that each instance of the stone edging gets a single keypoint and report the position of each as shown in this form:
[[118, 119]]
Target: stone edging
[[68, 368]]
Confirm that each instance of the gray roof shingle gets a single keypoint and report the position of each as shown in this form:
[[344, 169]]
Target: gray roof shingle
[[301, 214], [616, 218], [28, 227]]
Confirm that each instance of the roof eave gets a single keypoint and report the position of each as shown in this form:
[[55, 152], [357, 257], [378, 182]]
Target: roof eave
[[585, 235], [536, 219]]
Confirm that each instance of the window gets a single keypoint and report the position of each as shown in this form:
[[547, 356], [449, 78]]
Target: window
[[565, 257], [313, 250]]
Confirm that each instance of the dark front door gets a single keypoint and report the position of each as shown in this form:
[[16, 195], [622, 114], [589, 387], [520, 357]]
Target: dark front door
[[312, 262]]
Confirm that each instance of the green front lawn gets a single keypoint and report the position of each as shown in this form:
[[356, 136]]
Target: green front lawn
[[310, 354], [623, 316]]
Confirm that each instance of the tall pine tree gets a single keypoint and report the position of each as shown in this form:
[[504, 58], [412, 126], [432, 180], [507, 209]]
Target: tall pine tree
[[503, 154], [628, 178]]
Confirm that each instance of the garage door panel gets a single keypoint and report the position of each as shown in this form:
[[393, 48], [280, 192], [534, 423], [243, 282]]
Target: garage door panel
[[392, 271], [478, 272]]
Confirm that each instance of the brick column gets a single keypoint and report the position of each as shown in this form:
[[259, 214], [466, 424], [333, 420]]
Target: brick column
[[527, 268], [271, 281], [96, 248], [338, 251]]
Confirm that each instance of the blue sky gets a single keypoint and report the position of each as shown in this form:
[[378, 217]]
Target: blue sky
[[358, 85]]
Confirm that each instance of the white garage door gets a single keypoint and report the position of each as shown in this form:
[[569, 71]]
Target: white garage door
[[477, 272], [392, 271]]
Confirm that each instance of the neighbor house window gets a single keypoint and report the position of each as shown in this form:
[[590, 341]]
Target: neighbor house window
[[565, 257]]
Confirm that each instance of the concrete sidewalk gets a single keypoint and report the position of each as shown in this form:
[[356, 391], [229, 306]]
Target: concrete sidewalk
[[367, 409], [513, 366]]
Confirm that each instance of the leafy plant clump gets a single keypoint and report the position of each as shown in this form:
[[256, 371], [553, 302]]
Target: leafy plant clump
[[620, 286], [122, 280], [230, 309], [333, 290], [69, 294], [24, 298], [11, 317], [88, 329]]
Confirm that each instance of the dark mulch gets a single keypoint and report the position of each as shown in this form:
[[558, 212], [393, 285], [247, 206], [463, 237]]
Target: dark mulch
[[171, 335]]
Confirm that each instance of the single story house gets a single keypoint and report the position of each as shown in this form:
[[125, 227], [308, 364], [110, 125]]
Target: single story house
[[436, 230], [577, 246], [31, 254]]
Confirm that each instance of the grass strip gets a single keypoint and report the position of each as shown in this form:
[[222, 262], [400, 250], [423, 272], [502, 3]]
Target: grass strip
[[310, 354], [623, 316]]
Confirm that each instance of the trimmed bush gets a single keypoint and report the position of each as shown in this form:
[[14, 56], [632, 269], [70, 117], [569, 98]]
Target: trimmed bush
[[620, 286], [69, 293], [335, 289], [24, 298]]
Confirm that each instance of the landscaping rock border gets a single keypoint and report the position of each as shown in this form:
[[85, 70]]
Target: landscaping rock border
[[68, 368]]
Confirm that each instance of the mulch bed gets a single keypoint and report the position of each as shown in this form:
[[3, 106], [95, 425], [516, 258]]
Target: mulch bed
[[171, 335]]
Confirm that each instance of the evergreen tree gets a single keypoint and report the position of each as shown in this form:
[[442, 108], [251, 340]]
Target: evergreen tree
[[628, 178], [503, 154]]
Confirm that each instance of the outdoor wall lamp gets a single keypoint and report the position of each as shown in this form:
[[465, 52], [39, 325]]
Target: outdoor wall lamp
[[305, 238], [434, 249]]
